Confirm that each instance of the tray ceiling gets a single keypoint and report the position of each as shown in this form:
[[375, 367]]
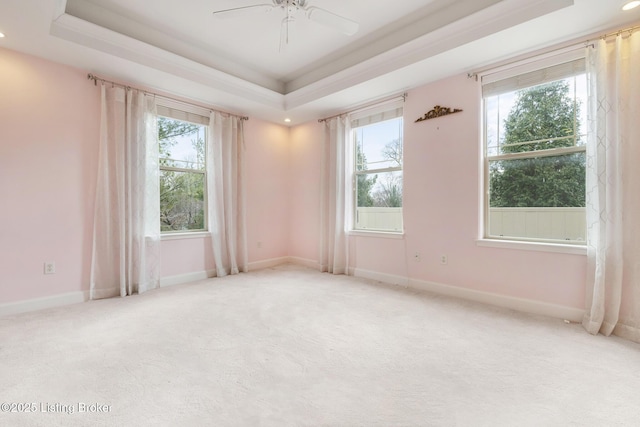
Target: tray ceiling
[[181, 48]]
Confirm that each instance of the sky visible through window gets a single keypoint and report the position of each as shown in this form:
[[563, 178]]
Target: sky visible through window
[[498, 107], [373, 139], [183, 151]]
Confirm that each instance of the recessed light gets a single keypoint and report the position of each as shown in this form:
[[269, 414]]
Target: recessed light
[[287, 120], [1, 35], [631, 5]]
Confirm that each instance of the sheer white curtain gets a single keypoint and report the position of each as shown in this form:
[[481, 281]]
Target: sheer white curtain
[[126, 230], [613, 188], [226, 188], [336, 200]]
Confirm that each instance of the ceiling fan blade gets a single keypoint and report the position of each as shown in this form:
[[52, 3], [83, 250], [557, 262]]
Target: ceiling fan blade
[[337, 22], [284, 33], [243, 11]]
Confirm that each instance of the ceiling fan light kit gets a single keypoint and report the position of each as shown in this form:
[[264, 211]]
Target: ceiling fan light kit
[[291, 7]]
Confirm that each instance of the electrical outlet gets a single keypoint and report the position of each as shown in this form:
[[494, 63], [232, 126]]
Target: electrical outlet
[[259, 245], [416, 257], [49, 267], [443, 259]]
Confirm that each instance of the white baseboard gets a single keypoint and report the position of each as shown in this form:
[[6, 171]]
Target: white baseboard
[[186, 278], [43, 303], [380, 277], [518, 304], [267, 263], [202, 275], [310, 263]]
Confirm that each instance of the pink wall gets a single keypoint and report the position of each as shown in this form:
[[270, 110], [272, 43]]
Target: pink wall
[[48, 147], [48, 151], [268, 201], [267, 158], [441, 209], [183, 256], [304, 190], [49, 127], [442, 205]]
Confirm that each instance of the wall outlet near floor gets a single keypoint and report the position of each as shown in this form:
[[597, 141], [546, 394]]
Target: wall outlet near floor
[[259, 245], [443, 259], [416, 257], [49, 267]]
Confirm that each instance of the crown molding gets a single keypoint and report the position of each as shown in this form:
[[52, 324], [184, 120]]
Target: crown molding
[[85, 33], [487, 21], [427, 37]]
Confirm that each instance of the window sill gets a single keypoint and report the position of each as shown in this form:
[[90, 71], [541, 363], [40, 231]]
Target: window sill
[[533, 246], [188, 235], [379, 234]]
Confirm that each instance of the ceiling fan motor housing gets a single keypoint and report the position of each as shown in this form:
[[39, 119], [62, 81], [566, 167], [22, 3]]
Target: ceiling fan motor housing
[[291, 7], [291, 4]]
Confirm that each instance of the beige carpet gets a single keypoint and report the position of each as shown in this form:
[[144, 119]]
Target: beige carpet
[[293, 347]]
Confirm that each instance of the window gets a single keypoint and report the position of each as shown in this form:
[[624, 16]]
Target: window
[[183, 197], [535, 155], [377, 140]]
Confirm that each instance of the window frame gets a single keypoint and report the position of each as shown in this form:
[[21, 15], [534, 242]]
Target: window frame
[[378, 114], [512, 72], [191, 114]]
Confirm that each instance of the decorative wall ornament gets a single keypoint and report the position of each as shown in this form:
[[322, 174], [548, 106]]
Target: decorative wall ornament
[[438, 111]]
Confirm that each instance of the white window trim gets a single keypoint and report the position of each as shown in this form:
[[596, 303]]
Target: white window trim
[[377, 234], [531, 64], [505, 72], [381, 112], [197, 115], [575, 249], [181, 235]]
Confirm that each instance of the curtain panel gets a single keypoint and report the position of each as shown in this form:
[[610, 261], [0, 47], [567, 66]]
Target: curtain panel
[[226, 207], [126, 230], [613, 188], [336, 196]]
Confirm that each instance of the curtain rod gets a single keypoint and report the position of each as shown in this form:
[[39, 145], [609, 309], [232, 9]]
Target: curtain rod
[[565, 48], [617, 33], [403, 96], [97, 79]]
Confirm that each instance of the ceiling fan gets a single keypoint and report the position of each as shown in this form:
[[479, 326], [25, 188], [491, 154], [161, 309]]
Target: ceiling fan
[[291, 7]]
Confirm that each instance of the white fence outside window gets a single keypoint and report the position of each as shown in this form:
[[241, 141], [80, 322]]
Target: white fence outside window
[[379, 219], [536, 223]]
